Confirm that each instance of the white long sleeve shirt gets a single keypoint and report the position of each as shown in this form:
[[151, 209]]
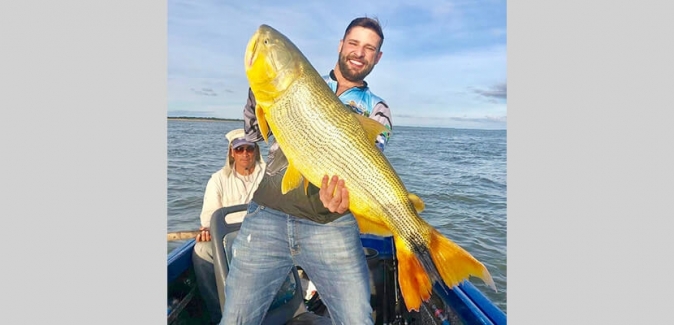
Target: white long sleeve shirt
[[227, 188]]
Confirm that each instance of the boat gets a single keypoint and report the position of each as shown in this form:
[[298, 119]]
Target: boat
[[462, 304]]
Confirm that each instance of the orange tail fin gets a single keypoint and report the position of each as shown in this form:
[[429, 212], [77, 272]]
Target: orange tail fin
[[420, 267], [415, 285], [454, 263]]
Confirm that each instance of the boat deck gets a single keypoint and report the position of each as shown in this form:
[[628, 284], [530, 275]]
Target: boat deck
[[464, 305]]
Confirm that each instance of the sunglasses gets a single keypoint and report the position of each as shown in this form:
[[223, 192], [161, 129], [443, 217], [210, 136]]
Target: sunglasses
[[249, 149]]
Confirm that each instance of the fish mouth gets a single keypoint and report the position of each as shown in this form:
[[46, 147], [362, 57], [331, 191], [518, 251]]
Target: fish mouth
[[251, 49]]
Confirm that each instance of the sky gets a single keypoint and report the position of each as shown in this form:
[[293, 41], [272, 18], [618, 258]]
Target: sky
[[443, 62]]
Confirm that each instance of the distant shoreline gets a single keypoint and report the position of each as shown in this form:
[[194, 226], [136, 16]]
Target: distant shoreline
[[217, 119], [210, 119]]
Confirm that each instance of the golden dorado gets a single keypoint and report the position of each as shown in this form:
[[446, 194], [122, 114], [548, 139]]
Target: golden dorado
[[320, 136]]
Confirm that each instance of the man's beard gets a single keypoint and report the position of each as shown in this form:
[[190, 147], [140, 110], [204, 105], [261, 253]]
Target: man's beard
[[350, 75]]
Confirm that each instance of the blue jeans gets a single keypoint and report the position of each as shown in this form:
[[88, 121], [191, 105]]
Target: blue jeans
[[270, 242]]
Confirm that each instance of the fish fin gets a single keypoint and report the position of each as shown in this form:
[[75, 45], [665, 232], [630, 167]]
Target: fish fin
[[415, 285], [367, 226], [418, 203], [372, 128], [291, 179], [454, 263], [306, 186], [262, 122]]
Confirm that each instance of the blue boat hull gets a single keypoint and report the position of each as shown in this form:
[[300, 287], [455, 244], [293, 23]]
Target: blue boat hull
[[463, 304]]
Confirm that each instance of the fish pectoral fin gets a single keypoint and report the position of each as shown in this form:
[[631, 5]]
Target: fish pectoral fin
[[418, 203], [306, 186], [262, 122], [454, 263], [415, 285], [367, 226], [291, 179], [372, 128]]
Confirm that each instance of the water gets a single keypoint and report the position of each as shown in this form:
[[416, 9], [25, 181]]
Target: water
[[460, 175]]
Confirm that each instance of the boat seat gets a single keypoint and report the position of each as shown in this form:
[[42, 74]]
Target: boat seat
[[288, 306]]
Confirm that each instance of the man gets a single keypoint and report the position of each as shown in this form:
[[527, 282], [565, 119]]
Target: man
[[314, 230], [233, 184]]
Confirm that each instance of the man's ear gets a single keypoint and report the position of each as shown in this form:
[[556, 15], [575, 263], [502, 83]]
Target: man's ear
[[376, 60]]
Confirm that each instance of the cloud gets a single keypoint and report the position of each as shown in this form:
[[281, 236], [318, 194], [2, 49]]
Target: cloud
[[441, 59], [458, 122], [204, 91], [498, 91], [485, 118]]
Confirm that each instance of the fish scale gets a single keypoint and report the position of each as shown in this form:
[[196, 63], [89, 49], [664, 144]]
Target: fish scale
[[320, 136], [309, 119]]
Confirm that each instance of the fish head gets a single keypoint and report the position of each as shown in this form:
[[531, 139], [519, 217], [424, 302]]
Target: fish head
[[272, 63]]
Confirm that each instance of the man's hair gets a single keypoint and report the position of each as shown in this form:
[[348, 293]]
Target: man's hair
[[369, 23]]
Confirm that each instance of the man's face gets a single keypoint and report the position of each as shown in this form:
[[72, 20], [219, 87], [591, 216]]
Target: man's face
[[358, 53], [244, 156]]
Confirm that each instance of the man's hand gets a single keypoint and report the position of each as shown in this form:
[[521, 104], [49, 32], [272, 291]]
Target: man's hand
[[335, 200], [205, 234]]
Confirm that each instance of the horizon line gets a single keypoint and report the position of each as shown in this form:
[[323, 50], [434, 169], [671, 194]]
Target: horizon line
[[241, 120]]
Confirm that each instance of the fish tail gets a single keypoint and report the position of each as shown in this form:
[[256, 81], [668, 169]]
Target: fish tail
[[454, 263], [415, 284], [421, 265]]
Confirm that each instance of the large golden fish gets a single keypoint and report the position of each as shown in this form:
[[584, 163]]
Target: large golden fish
[[321, 136]]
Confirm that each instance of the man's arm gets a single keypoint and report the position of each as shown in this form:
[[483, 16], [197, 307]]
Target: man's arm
[[212, 201], [250, 124]]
